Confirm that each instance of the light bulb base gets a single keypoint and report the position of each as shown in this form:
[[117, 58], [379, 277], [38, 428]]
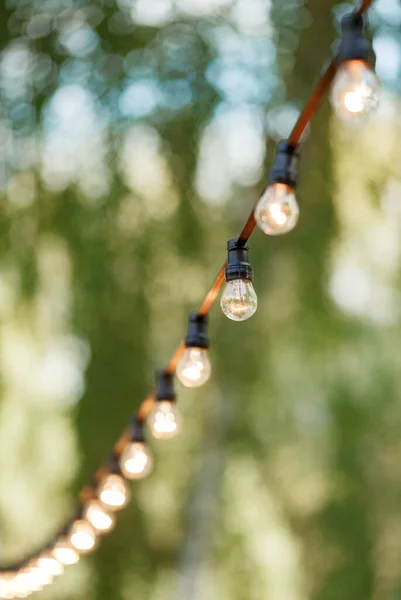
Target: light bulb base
[[113, 465], [354, 45], [137, 430], [238, 265], [197, 332], [165, 387], [285, 167]]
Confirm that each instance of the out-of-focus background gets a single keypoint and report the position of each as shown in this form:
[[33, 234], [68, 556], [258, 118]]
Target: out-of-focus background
[[135, 136]]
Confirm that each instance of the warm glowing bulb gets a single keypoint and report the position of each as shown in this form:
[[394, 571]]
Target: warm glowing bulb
[[277, 211], [49, 564], [136, 461], [65, 553], [83, 536], [113, 492], [37, 577], [6, 585], [101, 520], [355, 92], [19, 586], [164, 421], [239, 300], [194, 368]]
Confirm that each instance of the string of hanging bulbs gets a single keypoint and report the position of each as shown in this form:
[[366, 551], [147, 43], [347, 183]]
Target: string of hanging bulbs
[[355, 92]]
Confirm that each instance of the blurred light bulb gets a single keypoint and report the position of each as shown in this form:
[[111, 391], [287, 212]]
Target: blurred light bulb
[[113, 492], [164, 421], [64, 552], [136, 461], [49, 564], [18, 586], [83, 536], [277, 211], [5, 580], [194, 368], [355, 91], [98, 517], [37, 577], [239, 300]]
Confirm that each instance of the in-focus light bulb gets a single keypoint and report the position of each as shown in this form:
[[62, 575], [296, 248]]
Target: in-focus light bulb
[[83, 536], [194, 368], [355, 92], [98, 517], [239, 300], [113, 492], [64, 552], [49, 564], [136, 461], [277, 211], [164, 421]]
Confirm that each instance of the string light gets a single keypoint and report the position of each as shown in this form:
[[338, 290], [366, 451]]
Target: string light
[[49, 564], [64, 552], [96, 514], [136, 460], [82, 536], [238, 300], [355, 91], [194, 368], [164, 420], [354, 94], [112, 490], [277, 210]]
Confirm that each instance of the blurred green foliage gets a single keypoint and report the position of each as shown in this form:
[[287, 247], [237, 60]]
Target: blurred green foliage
[[135, 136]]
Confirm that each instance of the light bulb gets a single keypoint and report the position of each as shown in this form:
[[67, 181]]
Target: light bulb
[[277, 211], [164, 421], [239, 300], [37, 577], [194, 368], [5, 587], [355, 91], [49, 564], [64, 552], [98, 517], [113, 492], [19, 586], [136, 461], [83, 536]]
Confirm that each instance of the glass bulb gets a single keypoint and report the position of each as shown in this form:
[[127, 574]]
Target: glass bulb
[[239, 300], [19, 586], [98, 517], [355, 91], [136, 461], [37, 577], [64, 552], [164, 421], [194, 368], [277, 211], [83, 536], [49, 564], [113, 492]]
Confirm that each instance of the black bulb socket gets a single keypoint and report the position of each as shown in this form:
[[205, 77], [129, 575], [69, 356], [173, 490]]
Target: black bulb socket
[[165, 387], [113, 464], [137, 431], [285, 167], [197, 332], [238, 265], [354, 45]]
